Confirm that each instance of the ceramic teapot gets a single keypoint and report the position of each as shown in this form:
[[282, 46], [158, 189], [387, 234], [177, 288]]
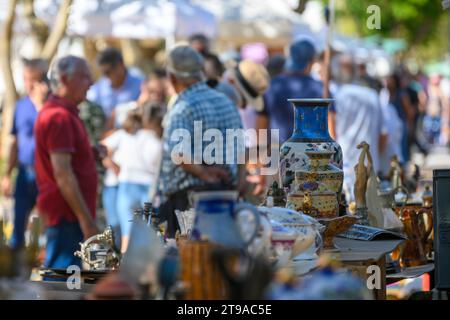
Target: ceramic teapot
[[219, 218], [308, 239]]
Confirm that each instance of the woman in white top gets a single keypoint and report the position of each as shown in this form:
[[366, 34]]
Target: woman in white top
[[135, 150]]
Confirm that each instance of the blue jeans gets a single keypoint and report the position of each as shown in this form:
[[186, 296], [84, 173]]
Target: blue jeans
[[109, 199], [62, 241], [130, 196], [24, 200], [432, 128]]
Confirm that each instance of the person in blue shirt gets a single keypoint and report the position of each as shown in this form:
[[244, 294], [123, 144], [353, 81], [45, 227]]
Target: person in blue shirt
[[117, 85], [21, 153], [294, 82]]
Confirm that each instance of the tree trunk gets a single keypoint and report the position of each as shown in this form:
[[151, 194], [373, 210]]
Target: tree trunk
[[58, 31], [10, 88], [39, 28]]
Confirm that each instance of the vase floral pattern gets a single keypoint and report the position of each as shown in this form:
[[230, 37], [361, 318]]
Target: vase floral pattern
[[310, 134]]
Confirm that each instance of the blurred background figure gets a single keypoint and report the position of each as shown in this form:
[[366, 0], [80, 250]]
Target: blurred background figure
[[153, 89], [364, 78], [65, 165], [436, 121], [200, 43], [213, 69], [251, 81], [400, 100], [117, 85], [21, 152], [297, 82], [394, 127], [358, 118], [134, 155], [275, 65]]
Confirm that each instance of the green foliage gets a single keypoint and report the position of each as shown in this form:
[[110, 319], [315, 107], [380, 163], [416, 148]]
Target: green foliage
[[415, 20], [419, 22]]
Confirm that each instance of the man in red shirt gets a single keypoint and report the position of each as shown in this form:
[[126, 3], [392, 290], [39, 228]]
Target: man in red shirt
[[65, 165]]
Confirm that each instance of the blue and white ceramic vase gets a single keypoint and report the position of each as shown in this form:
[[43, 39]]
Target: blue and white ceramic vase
[[310, 134]]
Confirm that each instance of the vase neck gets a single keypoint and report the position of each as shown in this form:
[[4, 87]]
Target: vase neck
[[311, 123]]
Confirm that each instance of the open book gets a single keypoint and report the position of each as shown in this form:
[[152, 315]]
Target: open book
[[367, 233]]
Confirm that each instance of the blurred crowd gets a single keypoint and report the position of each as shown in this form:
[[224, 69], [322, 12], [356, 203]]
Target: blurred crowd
[[74, 139]]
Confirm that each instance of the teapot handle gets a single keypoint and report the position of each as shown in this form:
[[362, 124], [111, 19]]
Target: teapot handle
[[246, 206], [430, 224]]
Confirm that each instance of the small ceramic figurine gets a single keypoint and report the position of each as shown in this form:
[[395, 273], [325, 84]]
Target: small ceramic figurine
[[362, 174], [395, 173], [278, 195], [427, 197]]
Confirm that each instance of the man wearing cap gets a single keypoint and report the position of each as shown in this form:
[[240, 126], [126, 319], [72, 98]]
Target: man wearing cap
[[196, 104], [295, 82]]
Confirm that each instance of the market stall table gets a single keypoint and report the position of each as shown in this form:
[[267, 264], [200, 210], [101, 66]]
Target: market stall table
[[58, 290], [410, 273], [357, 256]]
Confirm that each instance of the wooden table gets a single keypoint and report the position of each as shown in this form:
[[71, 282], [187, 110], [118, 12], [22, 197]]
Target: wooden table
[[58, 290], [357, 256], [410, 273]]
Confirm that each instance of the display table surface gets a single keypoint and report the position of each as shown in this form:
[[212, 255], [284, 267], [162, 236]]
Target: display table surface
[[58, 290], [358, 255], [358, 250], [355, 255], [410, 273]]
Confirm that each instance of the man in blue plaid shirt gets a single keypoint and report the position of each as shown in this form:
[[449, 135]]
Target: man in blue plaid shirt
[[197, 109]]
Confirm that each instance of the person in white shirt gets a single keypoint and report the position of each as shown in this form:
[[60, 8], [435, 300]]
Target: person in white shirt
[[358, 118], [134, 154]]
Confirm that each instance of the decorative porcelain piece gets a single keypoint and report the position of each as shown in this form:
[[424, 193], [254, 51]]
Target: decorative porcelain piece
[[282, 241], [307, 230], [315, 204], [319, 175], [310, 134], [220, 219], [317, 186]]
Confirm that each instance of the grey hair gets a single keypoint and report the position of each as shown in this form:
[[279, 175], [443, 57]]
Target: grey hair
[[187, 80], [38, 64], [63, 66]]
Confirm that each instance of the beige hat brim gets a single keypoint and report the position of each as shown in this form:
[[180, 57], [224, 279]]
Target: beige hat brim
[[257, 103]]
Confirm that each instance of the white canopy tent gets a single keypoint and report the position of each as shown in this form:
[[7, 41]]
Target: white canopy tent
[[243, 21], [134, 19]]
